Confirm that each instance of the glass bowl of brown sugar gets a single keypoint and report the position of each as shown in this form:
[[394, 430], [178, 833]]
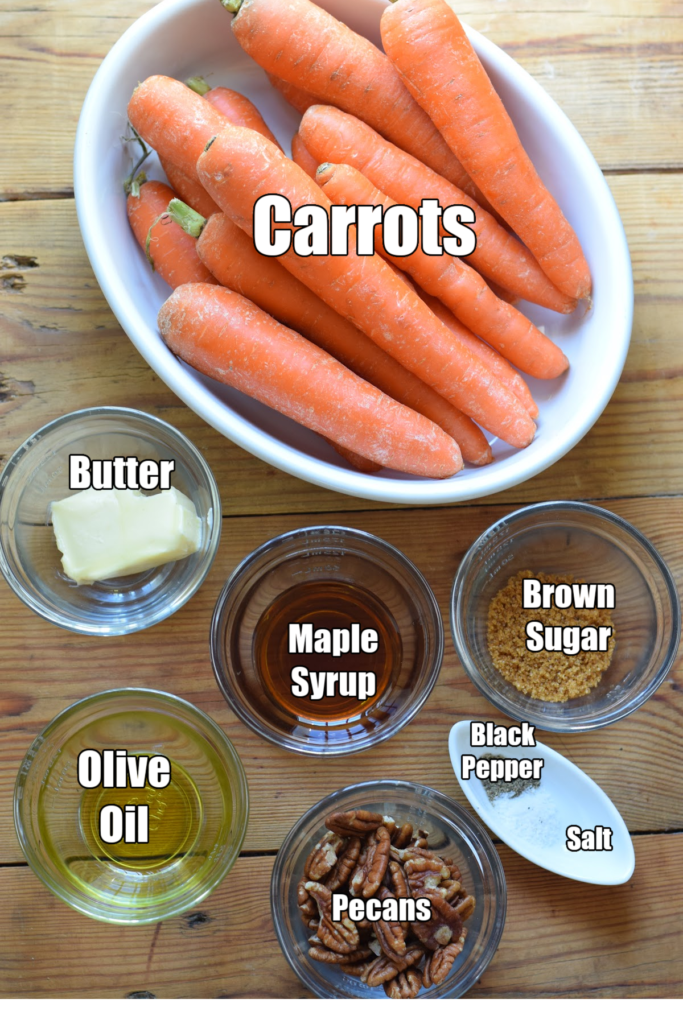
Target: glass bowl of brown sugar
[[326, 640], [565, 616]]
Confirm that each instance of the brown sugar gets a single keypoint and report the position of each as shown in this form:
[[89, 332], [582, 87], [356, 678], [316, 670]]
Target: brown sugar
[[544, 675]]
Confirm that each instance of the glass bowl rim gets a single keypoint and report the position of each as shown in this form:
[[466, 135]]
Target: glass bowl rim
[[507, 706], [70, 622], [230, 756], [232, 694], [463, 818]]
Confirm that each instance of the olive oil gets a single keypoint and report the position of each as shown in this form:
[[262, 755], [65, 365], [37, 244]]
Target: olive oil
[[175, 814], [325, 605]]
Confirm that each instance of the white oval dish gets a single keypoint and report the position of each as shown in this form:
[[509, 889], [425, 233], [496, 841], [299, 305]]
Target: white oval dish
[[186, 37], [578, 801]]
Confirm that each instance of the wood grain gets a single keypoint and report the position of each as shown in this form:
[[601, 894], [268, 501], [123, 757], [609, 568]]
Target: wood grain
[[63, 350], [561, 938], [636, 760], [615, 68]]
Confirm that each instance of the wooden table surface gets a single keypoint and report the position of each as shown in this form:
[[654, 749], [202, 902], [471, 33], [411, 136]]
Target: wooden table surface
[[615, 67]]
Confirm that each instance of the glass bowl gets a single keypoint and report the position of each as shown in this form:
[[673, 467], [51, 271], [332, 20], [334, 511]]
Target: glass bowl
[[587, 542], [196, 824], [38, 474], [452, 832], [339, 555]]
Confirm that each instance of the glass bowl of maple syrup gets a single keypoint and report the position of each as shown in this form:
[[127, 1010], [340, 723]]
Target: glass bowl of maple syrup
[[326, 640]]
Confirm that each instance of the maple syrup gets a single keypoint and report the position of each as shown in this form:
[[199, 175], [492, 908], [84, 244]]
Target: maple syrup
[[326, 605]]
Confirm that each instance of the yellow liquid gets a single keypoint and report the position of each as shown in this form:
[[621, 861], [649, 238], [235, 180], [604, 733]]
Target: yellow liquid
[[175, 815]]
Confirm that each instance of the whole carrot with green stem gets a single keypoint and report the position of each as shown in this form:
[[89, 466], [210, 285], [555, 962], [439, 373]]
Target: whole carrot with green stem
[[335, 136], [458, 285], [428, 45], [227, 337], [307, 47], [233, 105], [171, 252], [239, 166]]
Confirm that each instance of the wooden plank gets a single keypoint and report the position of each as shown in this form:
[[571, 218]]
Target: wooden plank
[[636, 761], [614, 68], [561, 938], [63, 350]]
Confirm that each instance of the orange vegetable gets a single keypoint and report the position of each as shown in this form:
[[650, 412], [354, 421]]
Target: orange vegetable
[[495, 362], [428, 45], [234, 106], [308, 48], [174, 120], [334, 136], [460, 287], [227, 337], [240, 166], [230, 255], [171, 252], [357, 461], [189, 189], [302, 157], [300, 99]]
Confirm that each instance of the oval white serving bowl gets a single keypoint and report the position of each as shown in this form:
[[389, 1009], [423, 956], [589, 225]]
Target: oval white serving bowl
[[185, 37], [578, 801]]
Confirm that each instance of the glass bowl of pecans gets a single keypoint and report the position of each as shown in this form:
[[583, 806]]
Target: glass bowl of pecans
[[388, 889]]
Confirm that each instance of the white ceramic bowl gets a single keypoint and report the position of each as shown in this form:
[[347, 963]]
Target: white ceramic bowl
[[186, 37]]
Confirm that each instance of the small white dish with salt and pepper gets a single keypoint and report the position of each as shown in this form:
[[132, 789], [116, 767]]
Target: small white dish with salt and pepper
[[534, 823]]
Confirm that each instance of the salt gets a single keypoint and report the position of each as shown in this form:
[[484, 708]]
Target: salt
[[530, 817]]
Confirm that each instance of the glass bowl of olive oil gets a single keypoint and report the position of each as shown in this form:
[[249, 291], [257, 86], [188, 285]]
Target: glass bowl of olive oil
[[131, 806], [326, 640]]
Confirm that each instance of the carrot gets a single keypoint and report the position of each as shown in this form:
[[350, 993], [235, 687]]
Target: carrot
[[495, 362], [302, 157], [458, 286], [239, 166], [357, 461], [300, 99], [428, 45], [174, 120], [307, 47], [170, 251], [227, 337], [335, 136], [230, 256], [234, 106], [189, 189]]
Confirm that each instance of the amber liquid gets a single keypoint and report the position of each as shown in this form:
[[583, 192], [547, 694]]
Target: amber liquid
[[326, 604]]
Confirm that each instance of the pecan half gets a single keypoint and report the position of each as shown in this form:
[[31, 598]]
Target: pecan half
[[383, 969], [403, 856], [451, 890], [391, 935], [376, 863], [438, 965], [346, 862], [405, 985], [359, 876], [307, 906], [353, 823], [399, 882], [402, 837], [323, 857], [425, 874], [465, 907], [445, 925], [339, 936], [355, 970], [328, 956]]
